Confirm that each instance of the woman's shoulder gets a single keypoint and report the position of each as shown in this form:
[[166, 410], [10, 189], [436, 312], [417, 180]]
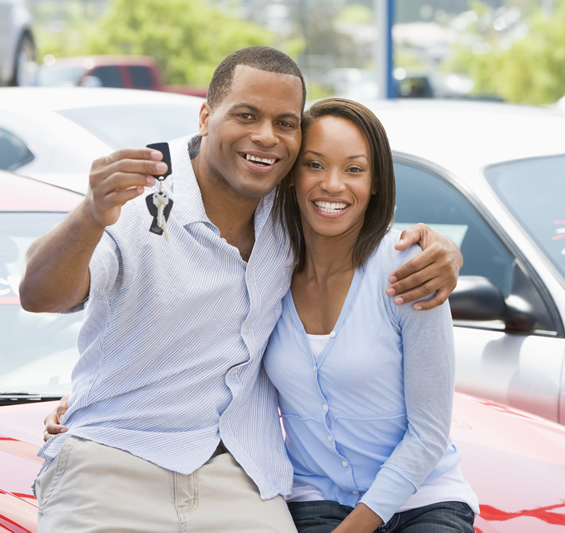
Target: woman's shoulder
[[387, 258]]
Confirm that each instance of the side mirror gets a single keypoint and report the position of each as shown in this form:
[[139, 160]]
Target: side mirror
[[476, 298]]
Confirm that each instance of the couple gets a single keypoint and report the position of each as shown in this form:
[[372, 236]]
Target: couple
[[173, 423]]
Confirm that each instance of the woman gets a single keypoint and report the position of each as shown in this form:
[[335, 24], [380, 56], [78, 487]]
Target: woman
[[365, 386]]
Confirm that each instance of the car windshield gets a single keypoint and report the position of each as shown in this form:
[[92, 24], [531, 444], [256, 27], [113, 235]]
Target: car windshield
[[59, 76], [533, 191], [37, 351], [121, 126]]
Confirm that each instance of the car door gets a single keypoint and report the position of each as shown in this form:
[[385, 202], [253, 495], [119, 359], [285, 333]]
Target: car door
[[520, 365]]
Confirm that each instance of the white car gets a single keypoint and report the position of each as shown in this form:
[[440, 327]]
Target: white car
[[54, 134], [492, 177], [17, 47]]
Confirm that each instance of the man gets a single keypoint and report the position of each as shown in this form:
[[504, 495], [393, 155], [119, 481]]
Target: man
[[172, 424]]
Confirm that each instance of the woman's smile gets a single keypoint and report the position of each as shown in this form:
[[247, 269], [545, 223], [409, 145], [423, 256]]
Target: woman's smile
[[333, 177]]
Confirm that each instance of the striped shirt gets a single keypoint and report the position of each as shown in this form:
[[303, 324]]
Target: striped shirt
[[173, 336]]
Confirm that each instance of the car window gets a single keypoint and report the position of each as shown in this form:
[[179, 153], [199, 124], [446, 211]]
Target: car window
[[37, 350], [108, 76], [14, 153], [424, 197], [140, 76], [533, 190]]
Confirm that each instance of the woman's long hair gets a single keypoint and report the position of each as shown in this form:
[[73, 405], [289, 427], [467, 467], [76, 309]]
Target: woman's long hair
[[380, 210]]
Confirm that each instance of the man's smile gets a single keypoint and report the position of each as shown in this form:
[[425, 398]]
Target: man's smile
[[259, 162]]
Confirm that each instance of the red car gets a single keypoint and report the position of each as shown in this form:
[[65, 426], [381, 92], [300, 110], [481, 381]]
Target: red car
[[120, 72], [514, 461]]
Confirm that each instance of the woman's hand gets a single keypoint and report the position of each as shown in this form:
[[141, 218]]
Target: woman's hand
[[360, 520], [53, 420], [434, 270]]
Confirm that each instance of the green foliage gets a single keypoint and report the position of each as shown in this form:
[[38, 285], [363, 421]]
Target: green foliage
[[317, 91], [531, 70], [293, 46], [188, 38], [54, 40], [405, 58], [355, 13]]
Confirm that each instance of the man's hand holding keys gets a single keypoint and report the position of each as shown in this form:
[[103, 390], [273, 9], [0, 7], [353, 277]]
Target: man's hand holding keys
[[117, 178]]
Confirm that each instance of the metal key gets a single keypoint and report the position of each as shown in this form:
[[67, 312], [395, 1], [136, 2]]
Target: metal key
[[160, 200]]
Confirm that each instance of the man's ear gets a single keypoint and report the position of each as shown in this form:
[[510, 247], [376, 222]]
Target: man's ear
[[204, 118]]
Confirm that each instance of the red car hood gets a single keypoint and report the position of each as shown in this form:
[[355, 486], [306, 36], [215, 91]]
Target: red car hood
[[514, 461], [21, 429]]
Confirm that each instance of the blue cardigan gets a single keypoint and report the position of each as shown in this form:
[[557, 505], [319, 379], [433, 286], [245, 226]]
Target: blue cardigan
[[369, 420]]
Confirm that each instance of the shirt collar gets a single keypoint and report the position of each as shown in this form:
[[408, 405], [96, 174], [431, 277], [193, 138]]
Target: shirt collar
[[185, 192]]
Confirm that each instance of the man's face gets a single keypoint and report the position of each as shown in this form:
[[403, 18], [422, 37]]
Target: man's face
[[252, 137]]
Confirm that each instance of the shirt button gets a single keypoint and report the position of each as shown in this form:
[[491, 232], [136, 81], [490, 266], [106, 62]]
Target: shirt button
[[345, 463], [332, 334], [355, 492], [224, 240], [330, 438], [325, 407], [314, 368]]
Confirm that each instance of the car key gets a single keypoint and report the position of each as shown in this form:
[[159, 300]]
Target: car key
[[160, 199], [160, 203]]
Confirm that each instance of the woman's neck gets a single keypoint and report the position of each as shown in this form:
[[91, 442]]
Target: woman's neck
[[326, 257]]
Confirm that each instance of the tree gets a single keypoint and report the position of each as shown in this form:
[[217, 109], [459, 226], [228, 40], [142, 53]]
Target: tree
[[531, 70], [188, 38]]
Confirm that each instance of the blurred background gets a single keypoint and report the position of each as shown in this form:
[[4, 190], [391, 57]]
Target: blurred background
[[509, 50]]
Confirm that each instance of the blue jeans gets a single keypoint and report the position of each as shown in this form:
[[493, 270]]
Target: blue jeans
[[444, 517]]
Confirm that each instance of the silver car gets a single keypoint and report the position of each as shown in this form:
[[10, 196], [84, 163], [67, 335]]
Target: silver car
[[492, 177], [17, 47], [53, 134]]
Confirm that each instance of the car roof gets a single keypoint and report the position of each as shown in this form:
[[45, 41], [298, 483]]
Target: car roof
[[465, 136], [27, 194], [59, 98]]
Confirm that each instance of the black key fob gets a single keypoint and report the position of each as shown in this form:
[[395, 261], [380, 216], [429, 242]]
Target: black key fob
[[164, 149]]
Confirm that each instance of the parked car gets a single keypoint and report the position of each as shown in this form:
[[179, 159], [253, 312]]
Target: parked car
[[119, 72], [54, 134], [17, 46], [492, 177]]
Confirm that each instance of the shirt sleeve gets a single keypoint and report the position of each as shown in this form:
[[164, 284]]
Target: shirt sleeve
[[106, 267], [429, 377]]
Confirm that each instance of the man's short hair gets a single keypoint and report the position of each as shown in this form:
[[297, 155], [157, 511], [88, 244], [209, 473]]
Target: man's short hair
[[259, 57]]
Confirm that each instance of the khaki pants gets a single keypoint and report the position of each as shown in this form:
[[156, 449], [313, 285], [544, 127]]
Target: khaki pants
[[91, 488]]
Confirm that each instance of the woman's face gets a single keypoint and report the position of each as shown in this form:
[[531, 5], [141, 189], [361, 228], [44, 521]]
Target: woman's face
[[332, 178]]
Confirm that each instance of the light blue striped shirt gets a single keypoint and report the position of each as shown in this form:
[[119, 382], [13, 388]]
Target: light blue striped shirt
[[173, 337], [368, 420]]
